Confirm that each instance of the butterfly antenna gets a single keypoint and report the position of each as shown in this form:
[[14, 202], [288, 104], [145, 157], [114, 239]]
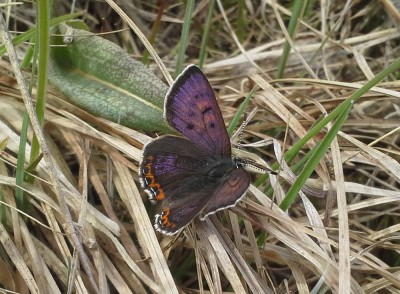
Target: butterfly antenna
[[246, 119], [241, 130]]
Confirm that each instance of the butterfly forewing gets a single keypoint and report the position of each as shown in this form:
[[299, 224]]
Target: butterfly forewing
[[167, 162], [191, 108]]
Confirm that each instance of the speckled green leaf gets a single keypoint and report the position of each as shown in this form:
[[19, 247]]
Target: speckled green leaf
[[101, 78]]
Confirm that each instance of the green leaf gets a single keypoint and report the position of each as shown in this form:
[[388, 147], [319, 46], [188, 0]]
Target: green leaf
[[99, 77]]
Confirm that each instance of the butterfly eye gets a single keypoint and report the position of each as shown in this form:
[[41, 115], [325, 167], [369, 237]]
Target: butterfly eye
[[240, 162]]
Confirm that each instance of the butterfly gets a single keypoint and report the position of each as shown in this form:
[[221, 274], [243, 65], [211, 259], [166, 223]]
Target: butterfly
[[193, 175]]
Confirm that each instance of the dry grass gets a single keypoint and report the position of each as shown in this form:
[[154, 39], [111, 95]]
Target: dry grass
[[343, 242]]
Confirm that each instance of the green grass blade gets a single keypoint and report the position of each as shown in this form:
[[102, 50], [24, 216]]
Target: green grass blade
[[184, 36], [317, 154], [20, 170], [239, 114], [240, 21], [154, 30], [204, 40], [43, 42], [298, 9]]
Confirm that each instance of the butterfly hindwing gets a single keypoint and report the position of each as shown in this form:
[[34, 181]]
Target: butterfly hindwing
[[200, 195], [178, 210], [191, 108], [229, 192]]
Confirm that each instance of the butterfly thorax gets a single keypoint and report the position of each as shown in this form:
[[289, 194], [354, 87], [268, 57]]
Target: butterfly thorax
[[221, 167]]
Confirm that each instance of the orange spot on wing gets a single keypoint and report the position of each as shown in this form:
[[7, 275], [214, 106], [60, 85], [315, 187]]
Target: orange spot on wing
[[151, 181], [165, 220]]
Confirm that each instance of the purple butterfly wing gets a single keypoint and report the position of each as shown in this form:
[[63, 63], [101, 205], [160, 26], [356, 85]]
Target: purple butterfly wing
[[190, 200], [169, 174], [165, 164], [228, 193], [192, 109], [175, 213]]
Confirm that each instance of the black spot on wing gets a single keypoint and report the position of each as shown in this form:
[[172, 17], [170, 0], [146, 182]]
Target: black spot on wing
[[206, 109]]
